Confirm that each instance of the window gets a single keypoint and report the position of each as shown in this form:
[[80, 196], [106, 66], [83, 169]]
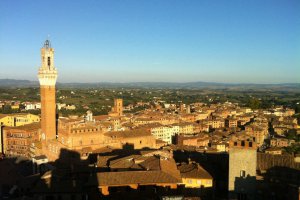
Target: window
[[49, 61], [250, 144], [242, 173], [243, 143]]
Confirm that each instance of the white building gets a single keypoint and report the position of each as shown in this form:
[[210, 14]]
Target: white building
[[165, 133], [32, 106]]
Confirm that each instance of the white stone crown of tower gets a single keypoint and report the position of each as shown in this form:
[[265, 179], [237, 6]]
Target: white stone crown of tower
[[47, 72]]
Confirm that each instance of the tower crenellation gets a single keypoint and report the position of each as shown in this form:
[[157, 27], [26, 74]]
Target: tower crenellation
[[47, 72]]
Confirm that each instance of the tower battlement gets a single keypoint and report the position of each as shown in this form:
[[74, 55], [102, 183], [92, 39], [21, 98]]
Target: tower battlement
[[242, 144], [47, 72]]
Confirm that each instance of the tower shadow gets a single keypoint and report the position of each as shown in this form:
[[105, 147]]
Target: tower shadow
[[68, 180]]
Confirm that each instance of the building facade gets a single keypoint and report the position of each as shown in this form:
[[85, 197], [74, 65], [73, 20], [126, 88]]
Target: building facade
[[17, 140], [14, 120]]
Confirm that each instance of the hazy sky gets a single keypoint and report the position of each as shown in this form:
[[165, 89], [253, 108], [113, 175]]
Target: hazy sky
[[255, 41]]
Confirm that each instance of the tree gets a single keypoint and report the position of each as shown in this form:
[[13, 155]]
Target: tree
[[292, 135], [254, 103], [294, 148], [297, 108], [6, 109]]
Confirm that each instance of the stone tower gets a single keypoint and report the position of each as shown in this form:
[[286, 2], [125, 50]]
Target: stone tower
[[118, 106], [242, 169], [47, 77], [188, 109]]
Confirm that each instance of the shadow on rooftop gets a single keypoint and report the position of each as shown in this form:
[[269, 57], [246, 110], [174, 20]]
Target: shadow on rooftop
[[67, 181]]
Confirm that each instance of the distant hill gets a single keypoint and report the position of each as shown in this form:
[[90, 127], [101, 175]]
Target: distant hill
[[286, 87], [12, 83], [17, 83]]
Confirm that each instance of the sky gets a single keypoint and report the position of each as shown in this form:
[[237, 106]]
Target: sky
[[234, 41]]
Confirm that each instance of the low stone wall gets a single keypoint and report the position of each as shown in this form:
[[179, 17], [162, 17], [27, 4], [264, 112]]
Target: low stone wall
[[267, 161]]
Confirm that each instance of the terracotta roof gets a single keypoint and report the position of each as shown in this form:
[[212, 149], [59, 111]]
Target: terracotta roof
[[101, 117], [125, 162], [102, 161], [27, 127], [151, 163], [193, 170], [129, 133], [169, 166], [3, 115], [151, 170], [153, 152], [128, 124], [135, 177], [106, 124], [152, 125]]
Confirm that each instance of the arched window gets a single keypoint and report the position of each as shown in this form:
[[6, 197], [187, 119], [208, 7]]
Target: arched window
[[49, 63]]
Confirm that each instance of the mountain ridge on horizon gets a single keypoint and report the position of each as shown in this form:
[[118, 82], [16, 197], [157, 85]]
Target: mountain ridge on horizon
[[6, 83]]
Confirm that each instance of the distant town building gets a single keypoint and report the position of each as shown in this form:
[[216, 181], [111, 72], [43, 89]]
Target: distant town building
[[196, 141], [117, 109], [165, 133], [231, 122], [32, 106], [281, 142], [18, 119], [274, 151]]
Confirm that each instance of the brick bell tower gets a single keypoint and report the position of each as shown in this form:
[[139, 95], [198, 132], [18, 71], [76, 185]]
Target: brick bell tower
[[47, 77]]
